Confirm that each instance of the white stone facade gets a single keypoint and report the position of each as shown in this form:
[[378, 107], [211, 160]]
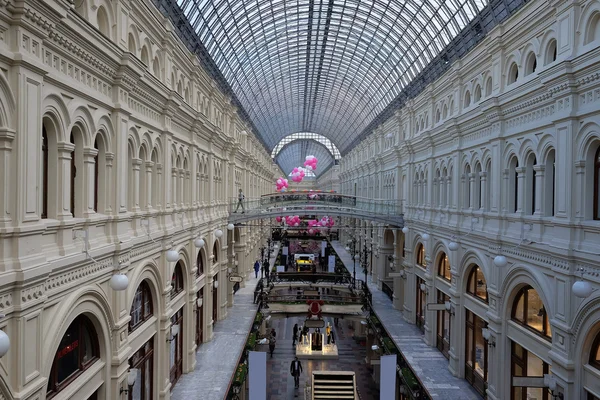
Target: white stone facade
[[497, 155], [159, 150]]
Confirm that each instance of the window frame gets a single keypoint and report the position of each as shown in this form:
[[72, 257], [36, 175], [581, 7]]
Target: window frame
[[45, 165], [442, 344], [545, 320], [56, 387], [595, 349], [596, 164], [421, 305], [442, 268], [144, 355], [146, 294], [420, 256], [177, 285], [471, 374], [473, 276]]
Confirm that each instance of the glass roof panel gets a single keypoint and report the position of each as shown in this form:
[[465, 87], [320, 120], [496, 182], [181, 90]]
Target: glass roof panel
[[323, 66], [293, 154]]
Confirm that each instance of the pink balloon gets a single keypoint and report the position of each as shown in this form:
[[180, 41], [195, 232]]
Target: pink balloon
[[278, 219]]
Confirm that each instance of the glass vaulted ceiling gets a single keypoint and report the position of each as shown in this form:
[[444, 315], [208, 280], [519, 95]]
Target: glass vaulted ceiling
[[294, 153], [328, 67]]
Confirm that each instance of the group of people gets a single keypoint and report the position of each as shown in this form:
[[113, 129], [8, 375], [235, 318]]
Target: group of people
[[266, 266], [300, 333]]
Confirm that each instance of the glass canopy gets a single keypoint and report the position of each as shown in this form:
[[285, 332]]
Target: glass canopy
[[307, 135], [294, 154], [328, 67]]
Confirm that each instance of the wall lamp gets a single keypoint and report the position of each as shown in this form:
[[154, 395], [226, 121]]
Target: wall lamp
[[550, 382], [487, 335], [131, 378], [449, 307], [174, 333]]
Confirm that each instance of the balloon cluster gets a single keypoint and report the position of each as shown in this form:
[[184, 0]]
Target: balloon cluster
[[314, 225], [298, 174], [281, 184], [292, 220], [311, 163]]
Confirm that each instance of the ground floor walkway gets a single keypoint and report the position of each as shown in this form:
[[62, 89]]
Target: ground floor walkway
[[428, 363], [216, 360], [280, 384]]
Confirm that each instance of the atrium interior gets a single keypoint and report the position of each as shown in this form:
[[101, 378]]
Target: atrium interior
[[404, 195]]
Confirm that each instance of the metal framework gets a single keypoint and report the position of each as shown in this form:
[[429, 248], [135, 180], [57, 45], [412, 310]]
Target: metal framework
[[331, 67], [294, 154]]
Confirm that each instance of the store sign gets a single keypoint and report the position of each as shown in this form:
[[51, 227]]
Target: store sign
[[66, 350]]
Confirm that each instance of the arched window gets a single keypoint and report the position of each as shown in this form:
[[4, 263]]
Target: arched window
[[45, 151], [550, 183], [595, 353], [77, 351], [476, 285], [96, 174], [445, 112], [530, 184], [73, 175], [593, 29], [467, 102], [513, 73], [597, 185], [156, 67], [144, 56], [200, 263], [216, 253], [531, 64], [177, 280], [513, 183], [444, 267], [421, 256], [528, 310], [141, 308], [103, 24], [477, 93], [488, 87], [131, 44], [551, 52]]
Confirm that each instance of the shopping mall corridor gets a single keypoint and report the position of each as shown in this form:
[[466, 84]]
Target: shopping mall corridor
[[280, 384]]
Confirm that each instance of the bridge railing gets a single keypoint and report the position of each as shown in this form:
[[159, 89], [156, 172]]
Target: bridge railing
[[273, 201], [300, 298]]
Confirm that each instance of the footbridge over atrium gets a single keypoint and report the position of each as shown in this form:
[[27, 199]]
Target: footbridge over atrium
[[320, 204]]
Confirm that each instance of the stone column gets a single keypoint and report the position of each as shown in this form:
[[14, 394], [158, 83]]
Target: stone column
[[136, 165], [483, 196], [539, 189], [149, 167], [521, 174], [449, 192], [6, 178], [89, 164], [159, 186], [109, 194], [472, 191], [64, 180], [174, 187]]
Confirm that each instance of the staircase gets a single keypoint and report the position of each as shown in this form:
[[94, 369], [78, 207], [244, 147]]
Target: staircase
[[337, 385]]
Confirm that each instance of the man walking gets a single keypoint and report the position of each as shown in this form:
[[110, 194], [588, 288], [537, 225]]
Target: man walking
[[296, 370], [256, 268], [272, 342], [295, 334], [241, 198]]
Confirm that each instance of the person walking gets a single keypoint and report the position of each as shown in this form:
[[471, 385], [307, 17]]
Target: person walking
[[295, 334], [256, 268], [240, 203], [296, 370], [272, 342]]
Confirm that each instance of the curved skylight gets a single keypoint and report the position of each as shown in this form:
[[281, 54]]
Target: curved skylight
[[307, 135], [328, 67], [294, 154]]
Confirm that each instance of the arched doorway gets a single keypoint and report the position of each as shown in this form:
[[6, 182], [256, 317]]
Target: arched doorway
[[176, 336], [215, 299], [199, 317], [142, 358]]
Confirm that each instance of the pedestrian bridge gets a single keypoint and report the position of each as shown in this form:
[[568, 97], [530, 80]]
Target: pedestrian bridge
[[318, 204]]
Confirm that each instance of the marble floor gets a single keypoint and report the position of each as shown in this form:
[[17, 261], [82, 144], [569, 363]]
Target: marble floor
[[428, 363], [280, 384]]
